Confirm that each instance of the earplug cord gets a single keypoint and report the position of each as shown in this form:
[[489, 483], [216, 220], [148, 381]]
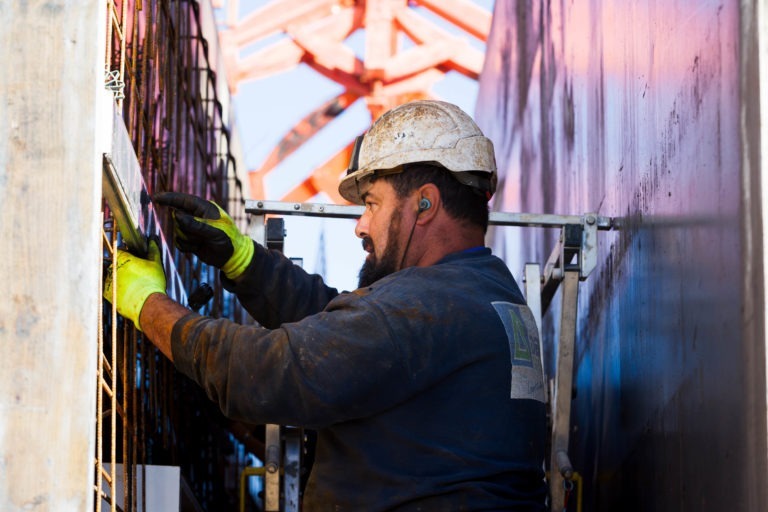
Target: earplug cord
[[422, 207], [408, 244]]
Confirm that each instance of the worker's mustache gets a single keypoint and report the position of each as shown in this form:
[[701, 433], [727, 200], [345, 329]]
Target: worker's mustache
[[367, 244]]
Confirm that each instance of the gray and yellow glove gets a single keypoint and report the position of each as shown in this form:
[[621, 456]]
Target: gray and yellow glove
[[137, 279], [204, 229]]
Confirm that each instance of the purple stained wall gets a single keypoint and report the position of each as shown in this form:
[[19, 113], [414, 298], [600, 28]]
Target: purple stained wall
[[632, 110]]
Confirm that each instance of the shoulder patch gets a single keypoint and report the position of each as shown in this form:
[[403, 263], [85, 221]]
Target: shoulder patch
[[525, 353]]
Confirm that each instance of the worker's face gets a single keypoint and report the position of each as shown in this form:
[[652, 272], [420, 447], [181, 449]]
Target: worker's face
[[379, 227]]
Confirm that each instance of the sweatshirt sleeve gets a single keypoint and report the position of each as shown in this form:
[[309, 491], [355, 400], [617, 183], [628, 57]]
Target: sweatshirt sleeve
[[274, 290], [324, 369]]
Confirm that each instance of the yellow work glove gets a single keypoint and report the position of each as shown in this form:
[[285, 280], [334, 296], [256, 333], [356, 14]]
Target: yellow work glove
[[204, 228], [137, 279]]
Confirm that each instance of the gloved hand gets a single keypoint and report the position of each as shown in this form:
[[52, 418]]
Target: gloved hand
[[137, 279], [204, 228]]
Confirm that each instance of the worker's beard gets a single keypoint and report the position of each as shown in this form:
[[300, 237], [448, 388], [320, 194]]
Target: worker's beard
[[374, 268]]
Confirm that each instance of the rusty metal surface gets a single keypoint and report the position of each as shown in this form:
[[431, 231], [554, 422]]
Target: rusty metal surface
[[631, 110], [163, 67]]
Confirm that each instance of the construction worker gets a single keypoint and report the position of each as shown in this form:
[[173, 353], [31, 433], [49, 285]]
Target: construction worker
[[424, 384]]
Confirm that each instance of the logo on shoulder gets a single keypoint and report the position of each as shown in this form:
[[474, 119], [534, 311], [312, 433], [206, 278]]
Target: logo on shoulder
[[525, 353]]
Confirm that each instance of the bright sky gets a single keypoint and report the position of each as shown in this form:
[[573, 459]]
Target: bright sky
[[267, 109]]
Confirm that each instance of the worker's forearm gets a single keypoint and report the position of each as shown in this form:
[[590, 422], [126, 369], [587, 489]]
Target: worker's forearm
[[158, 316]]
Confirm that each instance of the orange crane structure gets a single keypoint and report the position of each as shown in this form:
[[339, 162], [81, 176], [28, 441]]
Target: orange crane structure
[[405, 53]]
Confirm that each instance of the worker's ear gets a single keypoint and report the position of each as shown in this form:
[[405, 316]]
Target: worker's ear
[[428, 203]]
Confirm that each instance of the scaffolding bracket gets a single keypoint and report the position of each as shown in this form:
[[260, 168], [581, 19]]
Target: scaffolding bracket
[[273, 465], [561, 469], [284, 444]]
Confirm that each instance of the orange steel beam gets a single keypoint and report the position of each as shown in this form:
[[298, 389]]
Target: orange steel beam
[[298, 135], [419, 58], [419, 83], [275, 16], [289, 52], [350, 81], [323, 179], [381, 39], [467, 60], [464, 14], [329, 54], [281, 56], [307, 127]]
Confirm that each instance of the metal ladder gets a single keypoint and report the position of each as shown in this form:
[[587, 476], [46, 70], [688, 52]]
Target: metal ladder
[[283, 445]]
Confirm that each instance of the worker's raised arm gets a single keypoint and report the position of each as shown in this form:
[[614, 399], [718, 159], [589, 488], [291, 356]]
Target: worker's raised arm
[[269, 286], [275, 291]]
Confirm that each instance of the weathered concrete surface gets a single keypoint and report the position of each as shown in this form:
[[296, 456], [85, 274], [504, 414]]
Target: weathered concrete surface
[[50, 259], [642, 111]]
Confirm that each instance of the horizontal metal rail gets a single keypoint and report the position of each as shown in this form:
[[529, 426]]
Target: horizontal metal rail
[[260, 207]]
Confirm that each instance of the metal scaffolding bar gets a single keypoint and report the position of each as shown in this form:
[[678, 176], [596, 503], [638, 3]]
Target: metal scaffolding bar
[[547, 220]]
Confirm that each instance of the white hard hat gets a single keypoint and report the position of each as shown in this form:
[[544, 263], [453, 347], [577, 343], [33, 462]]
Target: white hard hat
[[430, 132]]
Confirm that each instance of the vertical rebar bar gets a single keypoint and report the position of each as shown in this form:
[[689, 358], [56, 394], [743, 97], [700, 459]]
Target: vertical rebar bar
[[175, 120], [99, 398]]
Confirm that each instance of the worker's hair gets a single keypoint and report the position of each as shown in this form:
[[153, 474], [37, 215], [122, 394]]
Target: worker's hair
[[460, 201]]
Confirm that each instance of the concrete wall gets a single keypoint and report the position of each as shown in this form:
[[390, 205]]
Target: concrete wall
[[647, 111], [50, 260]]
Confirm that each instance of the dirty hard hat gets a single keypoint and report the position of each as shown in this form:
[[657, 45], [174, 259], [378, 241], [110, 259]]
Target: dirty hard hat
[[429, 132]]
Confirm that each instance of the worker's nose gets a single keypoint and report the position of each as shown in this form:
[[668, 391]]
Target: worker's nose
[[361, 228]]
